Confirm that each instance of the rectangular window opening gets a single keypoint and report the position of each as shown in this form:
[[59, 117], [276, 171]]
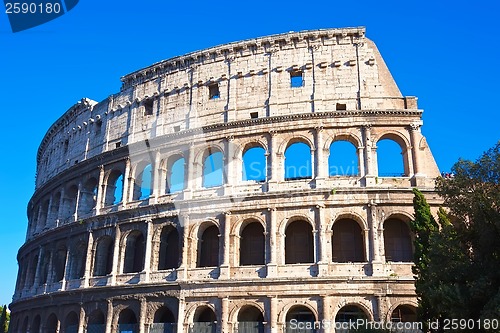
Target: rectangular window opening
[[213, 91], [118, 145], [296, 79], [177, 128], [148, 107], [341, 107], [254, 115]]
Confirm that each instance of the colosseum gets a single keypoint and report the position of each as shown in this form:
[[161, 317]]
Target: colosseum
[[238, 188]]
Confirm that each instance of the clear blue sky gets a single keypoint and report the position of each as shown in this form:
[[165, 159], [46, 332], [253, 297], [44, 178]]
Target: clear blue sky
[[445, 52]]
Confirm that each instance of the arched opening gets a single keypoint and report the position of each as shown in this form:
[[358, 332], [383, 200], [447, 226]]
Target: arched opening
[[397, 241], [24, 327], [343, 159], [71, 323], [54, 207], [254, 164], [78, 256], [51, 324], [44, 210], [35, 325], [96, 322], [300, 319], [404, 313], [350, 313], [143, 183], [127, 322], [250, 320], [88, 197], [208, 255], [390, 158], [69, 203], [103, 260], [347, 241], [169, 249], [205, 321], [163, 322], [134, 252], [59, 263], [32, 272], [44, 266], [252, 244], [114, 188], [298, 163], [176, 174], [213, 166], [299, 244]]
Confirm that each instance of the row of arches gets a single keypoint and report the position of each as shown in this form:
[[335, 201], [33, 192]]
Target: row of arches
[[250, 319], [120, 183], [348, 240]]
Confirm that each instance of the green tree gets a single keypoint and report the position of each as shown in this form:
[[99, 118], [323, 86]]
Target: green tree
[[457, 268], [4, 320]]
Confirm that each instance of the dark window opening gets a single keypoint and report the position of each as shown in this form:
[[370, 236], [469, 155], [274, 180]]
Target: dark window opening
[[118, 145], [296, 79], [341, 107], [169, 249], [254, 115], [148, 107], [404, 313], [209, 248], [397, 241], [299, 245], [213, 91], [349, 313], [347, 241], [177, 128], [252, 245], [134, 253]]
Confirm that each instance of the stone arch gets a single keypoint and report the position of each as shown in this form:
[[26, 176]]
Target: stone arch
[[349, 215], [213, 163], [35, 324], [208, 245], [43, 214], [403, 144], [254, 162], [285, 222], [295, 138], [204, 319], [169, 248], [31, 273], [194, 307], [71, 323], [343, 157], [52, 324], [135, 246], [59, 262], [252, 243], [24, 327], [69, 202], [103, 256], [398, 240], [127, 320], [359, 304], [54, 207], [142, 186], [77, 259], [303, 305], [343, 136], [299, 242], [235, 311], [300, 162], [114, 187], [88, 196], [250, 319], [173, 173], [96, 321], [402, 315], [348, 241]]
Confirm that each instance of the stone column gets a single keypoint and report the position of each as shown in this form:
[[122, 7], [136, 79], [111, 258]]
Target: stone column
[[274, 162], [321, 162], [82, 327], [49, 216], [66, 269], [361, 161], [370, 164], [327, 319], [376, 260], [273, 314], [185, 263], [61, 208], [224, 315], [77, 201], [272, 268], [142, 316], [101, 191], [156, 178], [36, 280], [191, 181], [147, 252], [230, 167], [322, 240], [116, 255], [89, 259], [109, 317], [128, 182], [226, 246], [181, 325]]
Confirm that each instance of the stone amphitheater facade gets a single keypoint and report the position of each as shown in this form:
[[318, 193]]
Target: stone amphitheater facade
[[146, 217]]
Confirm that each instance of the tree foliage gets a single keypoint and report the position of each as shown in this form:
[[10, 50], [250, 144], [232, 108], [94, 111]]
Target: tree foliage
[[4, 319], [457, 268]]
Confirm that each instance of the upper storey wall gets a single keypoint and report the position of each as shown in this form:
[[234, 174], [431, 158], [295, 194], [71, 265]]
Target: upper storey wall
[[340, 69]]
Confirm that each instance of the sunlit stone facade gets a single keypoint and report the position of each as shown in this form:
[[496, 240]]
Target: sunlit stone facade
[[207, 195]]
